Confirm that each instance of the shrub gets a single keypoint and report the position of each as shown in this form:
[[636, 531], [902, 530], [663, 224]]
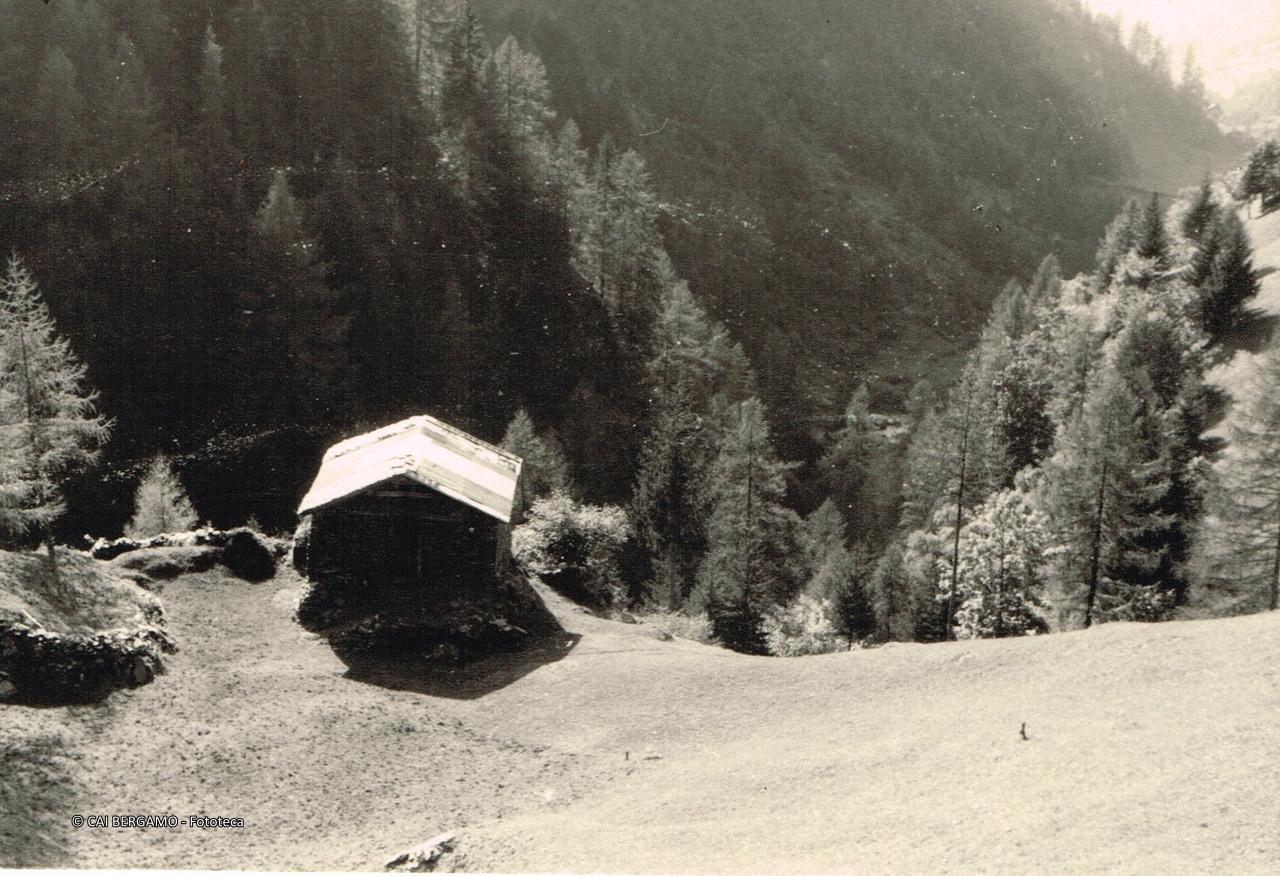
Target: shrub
[[573, 546], [694, 627], [804, 627], [247, 556]]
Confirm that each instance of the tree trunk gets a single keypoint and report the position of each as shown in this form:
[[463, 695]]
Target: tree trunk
[[948, 633], [1096, 547], [53, 554], [1275, 572]]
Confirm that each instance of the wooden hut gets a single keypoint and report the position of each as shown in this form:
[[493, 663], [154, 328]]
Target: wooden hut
[[415, 504]]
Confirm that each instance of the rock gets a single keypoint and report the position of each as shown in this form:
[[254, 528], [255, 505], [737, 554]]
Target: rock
[[7, 689], [247, 556], [424, 857]]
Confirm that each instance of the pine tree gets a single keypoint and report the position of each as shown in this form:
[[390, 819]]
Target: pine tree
[[750, 564], [545, 470], [160, 504], [1001, 569], [52, 429], [690, 347]]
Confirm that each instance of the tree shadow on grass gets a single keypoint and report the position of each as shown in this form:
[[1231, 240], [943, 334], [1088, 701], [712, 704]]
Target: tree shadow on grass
[[35, 798], [460, 680]]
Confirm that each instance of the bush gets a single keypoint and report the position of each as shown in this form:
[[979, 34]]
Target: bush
[[574, 547], [694, 627], [804, 627], [247, 556]]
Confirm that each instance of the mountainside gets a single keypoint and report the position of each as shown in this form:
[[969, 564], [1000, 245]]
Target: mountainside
[[1150, 749], [1254, 107], [851, 183]]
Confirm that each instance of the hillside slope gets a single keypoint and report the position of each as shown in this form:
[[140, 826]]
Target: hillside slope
[[851, 183], [1151, 749]]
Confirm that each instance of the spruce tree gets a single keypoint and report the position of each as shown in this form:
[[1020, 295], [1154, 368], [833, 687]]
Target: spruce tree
[[52, 430], [1099, 490], [839, 576], [1229, 282], [57, 124], [853, 469], [669, 505], [1152, 241], [1201, 213], [160, 504], [751, 563], [1117, 242]]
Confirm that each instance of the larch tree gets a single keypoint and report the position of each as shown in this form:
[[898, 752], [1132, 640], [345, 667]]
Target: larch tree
[[545, 470], [51, 427], [160, 503], [1001, 570], [521, 96]]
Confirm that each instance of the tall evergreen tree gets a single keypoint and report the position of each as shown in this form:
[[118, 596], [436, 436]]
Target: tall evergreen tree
[[669, 505], [1201, 213], [57, 128], [1097, 490], [1152, 241], [750, 563], [1226, 278], [52, 427], [853, 469], [1118, 241]]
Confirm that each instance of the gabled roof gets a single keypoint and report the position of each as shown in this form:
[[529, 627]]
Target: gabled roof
[[424, 450]]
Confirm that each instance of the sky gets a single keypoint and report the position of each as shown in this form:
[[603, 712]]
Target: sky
[[1233, 39]]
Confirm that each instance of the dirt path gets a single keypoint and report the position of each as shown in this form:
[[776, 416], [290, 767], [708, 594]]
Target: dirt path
[[1153, 749]]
